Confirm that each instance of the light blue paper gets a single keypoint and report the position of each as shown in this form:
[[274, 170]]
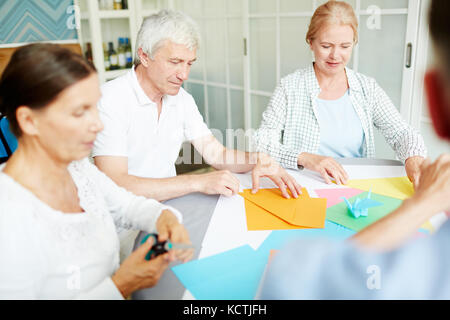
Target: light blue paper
[[279, 238], [232, 275], [236, 274]]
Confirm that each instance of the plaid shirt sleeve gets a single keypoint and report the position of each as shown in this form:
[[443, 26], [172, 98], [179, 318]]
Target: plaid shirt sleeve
[[269, 135], [403, 139]]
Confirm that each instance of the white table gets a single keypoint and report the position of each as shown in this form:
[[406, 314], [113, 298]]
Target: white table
[[198, 209]]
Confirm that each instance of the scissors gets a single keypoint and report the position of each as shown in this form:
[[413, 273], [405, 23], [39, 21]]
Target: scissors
[[161, 247]]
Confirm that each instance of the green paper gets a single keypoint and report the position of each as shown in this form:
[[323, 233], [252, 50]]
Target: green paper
[[340, 214]]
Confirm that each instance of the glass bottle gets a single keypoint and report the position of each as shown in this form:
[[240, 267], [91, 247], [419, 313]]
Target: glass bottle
[[113, 59], [88, 53], [121, 52], [117, 4], [128, 53], [106, 57]]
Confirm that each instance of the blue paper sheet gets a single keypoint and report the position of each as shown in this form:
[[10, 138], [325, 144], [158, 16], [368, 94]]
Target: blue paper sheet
[[279, 238], [236, 274]]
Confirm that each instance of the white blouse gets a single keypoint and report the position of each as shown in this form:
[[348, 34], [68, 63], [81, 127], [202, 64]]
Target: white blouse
[[48, 254]]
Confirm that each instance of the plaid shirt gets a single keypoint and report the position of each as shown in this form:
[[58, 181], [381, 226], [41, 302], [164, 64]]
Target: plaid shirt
[[290, 126]]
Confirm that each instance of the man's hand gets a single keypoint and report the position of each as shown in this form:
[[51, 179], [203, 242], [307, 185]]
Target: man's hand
[[217, 182], [412, 168], [169, 228], [326, 166], [268, 167]]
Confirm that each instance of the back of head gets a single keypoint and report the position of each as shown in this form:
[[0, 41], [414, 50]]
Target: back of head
[[440, 32], [36, 75], [332, 13], [166, 25], [438, 82]]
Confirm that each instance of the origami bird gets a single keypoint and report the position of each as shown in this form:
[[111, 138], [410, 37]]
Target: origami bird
[[361, 206]]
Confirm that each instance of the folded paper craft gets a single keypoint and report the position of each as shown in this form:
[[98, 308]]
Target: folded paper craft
[[361, 206], [339, 212], [268, 206]]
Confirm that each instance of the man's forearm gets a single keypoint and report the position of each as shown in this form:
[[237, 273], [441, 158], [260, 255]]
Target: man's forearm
[[236, 161], [223, 158], [158, 189], [394, 229]]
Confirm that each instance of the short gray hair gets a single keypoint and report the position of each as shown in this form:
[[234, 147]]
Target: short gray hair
[[166, 25]]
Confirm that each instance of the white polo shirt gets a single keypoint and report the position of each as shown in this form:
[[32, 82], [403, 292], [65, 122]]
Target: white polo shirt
[[132, 128]]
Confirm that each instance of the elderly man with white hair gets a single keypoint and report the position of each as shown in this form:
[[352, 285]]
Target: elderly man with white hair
[[147, 116]]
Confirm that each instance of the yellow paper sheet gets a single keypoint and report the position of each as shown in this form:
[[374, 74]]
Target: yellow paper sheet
[[267, 207], [399, 187]]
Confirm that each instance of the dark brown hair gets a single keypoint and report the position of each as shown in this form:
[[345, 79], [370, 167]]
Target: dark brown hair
[[439, 19], [36, 75]]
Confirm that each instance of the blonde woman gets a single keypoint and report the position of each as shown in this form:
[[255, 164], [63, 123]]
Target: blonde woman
[[329, 111]]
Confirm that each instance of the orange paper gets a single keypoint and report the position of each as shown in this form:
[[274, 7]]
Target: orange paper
[[260, 219], [269, 210]]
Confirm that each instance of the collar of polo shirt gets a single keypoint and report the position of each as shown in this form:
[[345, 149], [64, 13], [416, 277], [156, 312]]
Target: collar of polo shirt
[[143, 99]]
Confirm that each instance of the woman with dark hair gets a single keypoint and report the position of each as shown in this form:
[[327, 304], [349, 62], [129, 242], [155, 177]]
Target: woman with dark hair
[[58, 213]]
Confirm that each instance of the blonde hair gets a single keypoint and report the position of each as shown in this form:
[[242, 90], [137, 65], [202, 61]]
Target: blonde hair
[[333, 12]]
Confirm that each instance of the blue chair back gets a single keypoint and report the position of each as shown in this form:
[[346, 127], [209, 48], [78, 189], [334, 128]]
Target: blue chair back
[[8, 142]]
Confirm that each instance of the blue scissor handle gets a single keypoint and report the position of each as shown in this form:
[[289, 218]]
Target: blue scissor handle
[[157, 247]]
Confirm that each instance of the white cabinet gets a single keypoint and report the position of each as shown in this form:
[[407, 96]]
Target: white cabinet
[[233, 79], [103, 26]]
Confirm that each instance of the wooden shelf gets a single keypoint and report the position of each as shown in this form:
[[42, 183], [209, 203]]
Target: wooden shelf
[[112, 74]]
